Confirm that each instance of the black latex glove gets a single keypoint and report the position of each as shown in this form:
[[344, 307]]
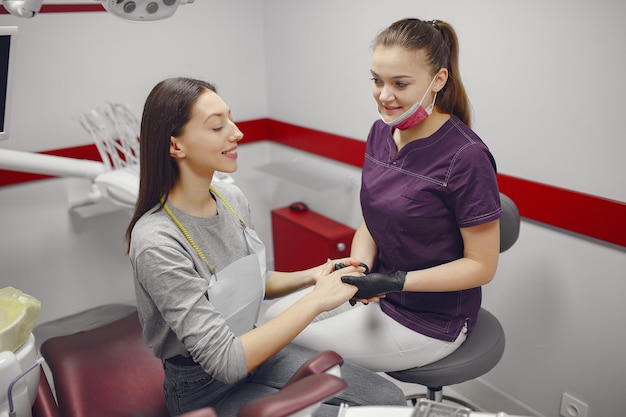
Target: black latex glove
[[341, 266], [376, 283]]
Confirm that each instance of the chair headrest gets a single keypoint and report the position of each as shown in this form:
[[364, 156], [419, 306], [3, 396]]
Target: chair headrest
[[509, 223]]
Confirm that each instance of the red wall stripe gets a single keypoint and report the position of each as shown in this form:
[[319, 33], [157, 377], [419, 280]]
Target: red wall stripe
[[586, 214], [581, 213], [254, 130], [66, 8], [331, 146], [589, 215]]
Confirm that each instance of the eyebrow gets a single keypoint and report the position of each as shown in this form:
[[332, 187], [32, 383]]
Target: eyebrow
[[219, 114], [394, 77]]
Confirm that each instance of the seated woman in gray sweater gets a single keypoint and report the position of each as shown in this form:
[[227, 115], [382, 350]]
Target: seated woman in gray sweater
[[200, 273]]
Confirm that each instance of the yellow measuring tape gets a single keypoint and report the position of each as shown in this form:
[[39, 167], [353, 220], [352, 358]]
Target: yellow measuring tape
[[188, 236]]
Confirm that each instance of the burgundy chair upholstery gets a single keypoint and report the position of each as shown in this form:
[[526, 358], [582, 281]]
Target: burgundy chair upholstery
[[318, 364], [108, 371], [45, 405]]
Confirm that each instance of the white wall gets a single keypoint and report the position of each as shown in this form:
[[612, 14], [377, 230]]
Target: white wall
[[327, 187], [68, 263], [544, 80], [67, 63]]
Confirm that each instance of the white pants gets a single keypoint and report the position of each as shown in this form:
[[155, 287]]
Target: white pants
[[364, 335]]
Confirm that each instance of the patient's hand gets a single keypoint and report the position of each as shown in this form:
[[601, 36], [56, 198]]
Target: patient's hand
[[332, 291], [366, 301], [353, 262], [334, 265]]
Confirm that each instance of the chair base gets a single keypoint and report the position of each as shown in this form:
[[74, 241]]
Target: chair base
[[437, 395]]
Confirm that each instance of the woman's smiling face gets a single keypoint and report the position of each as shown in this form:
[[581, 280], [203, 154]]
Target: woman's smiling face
[[209, 139], [400, 79]]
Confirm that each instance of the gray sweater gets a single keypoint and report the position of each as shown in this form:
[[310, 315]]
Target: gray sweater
[[171, 281]]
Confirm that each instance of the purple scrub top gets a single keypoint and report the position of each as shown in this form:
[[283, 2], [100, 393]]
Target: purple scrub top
[[414, 202]]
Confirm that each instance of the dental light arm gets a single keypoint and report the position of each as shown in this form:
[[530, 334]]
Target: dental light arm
[[22, 8], [37, 163]]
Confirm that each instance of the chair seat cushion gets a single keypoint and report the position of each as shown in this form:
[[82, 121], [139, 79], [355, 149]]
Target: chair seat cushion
[[81, 321], [107, 371], [480, 352]]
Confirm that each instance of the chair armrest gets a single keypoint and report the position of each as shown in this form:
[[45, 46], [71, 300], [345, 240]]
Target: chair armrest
[[301, 394], [318, 364]]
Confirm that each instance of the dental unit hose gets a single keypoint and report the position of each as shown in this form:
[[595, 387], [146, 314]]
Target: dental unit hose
[[12, 412]]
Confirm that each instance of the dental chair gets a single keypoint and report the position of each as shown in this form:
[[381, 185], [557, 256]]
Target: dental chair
[[109, 371], [482, 349]]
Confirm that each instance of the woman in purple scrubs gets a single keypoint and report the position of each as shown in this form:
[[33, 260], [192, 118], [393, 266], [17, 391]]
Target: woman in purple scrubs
[[431, 210]]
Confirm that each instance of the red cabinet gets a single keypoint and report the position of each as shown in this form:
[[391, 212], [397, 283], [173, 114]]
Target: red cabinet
[[303, 239]]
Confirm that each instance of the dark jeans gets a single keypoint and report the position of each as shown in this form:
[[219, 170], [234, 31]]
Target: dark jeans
[[189, 387]]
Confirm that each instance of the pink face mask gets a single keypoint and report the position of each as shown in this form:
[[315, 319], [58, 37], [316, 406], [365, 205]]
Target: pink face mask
[[416, 114]]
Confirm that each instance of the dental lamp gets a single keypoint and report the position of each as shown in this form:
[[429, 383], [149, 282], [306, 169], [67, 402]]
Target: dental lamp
[[142, 10], [22, 8], [131, 10]]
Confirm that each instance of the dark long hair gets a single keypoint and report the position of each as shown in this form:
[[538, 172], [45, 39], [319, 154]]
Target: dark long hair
[[165, 114], [439, 43]]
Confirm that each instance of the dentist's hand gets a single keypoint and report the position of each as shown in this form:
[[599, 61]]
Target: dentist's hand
[[375, 284]]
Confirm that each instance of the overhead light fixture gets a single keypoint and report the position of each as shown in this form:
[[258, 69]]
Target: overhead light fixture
[[142, 10], [22, 8], [131, 10]]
